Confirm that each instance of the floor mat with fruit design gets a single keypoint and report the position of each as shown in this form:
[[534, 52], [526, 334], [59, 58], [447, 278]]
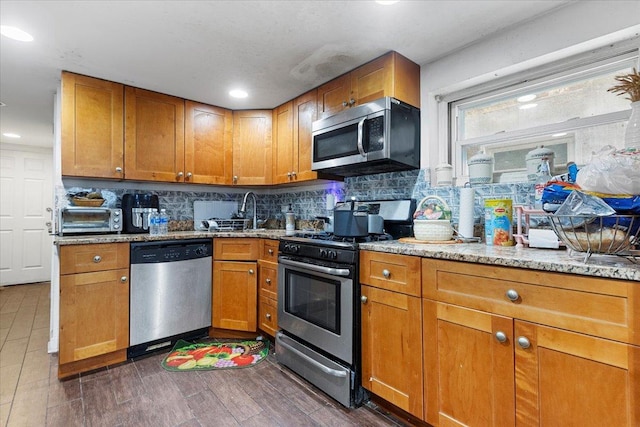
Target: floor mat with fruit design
[[187, 356]]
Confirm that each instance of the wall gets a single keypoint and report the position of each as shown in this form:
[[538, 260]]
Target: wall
[[577, 28]]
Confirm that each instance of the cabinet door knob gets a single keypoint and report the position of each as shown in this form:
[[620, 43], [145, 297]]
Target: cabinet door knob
[[352, 101], [270, 251], [364, 299], [97, 259], [189, 175], [119, 169], [268, 281], [180, 174], [293, 174], [512, 294], [501, 336], [123, 279], [345, 103], [268, 316], [524, 342], [386, 273], [251, 271], [235, 179], [289, 175]]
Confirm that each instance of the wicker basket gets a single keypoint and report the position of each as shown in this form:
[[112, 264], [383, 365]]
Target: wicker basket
[[609, 235], [86, 202]]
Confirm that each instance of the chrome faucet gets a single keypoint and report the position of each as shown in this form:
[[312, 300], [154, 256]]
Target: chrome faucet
[[243, 208]]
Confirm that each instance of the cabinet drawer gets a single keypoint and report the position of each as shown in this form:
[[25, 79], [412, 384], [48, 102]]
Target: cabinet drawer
[[269, 250], [268, 315], [88, 258], [398, 273], [235, 249], [268, 279], [595, 306]]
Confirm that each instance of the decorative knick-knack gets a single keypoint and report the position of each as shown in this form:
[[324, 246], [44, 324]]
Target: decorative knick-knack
[[629, 85]]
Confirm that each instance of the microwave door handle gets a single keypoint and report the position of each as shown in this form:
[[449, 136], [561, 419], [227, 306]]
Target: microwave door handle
[[361, 136]]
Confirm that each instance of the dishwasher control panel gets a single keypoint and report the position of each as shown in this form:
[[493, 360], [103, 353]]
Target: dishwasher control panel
[[170, 250]]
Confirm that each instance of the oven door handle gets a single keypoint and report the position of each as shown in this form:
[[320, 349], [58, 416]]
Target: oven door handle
[[325, 369], [320, 269]]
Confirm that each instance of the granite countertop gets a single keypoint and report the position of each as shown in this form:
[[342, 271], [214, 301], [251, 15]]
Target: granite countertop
[[556, 260], [87, 239], [560, 260]]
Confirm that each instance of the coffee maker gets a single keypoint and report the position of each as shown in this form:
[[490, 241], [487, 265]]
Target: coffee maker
[[136, 209]]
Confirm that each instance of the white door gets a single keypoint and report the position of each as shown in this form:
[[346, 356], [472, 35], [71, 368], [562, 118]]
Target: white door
[[26, 191]]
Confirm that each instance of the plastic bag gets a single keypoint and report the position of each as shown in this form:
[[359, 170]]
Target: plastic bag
[[612, 171]]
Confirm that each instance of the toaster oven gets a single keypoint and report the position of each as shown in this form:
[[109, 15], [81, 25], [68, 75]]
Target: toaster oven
[[89, 220]]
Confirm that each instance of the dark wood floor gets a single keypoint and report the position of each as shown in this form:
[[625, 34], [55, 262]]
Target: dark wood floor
[[141, 393]]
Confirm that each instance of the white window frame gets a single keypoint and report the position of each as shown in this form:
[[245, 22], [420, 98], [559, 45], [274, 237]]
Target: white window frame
[[585, 64]]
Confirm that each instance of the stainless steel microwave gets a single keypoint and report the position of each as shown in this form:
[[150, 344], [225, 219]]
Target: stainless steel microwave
[[88, 220], [379, 136]]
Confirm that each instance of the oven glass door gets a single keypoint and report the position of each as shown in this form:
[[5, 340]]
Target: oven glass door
[[317, 307]]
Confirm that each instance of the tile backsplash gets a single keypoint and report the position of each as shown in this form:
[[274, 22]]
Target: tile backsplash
[[312, 202]]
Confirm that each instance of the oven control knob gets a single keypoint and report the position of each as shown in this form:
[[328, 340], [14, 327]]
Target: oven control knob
[[333, 254], [324, 253], [294, 249]]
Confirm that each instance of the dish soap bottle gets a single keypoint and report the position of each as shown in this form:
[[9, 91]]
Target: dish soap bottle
[[290, 221], [544, 176]]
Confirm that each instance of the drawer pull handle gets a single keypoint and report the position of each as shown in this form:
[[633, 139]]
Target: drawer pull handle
[[123, 279], [270, 251], [251, 271], [364, 299], [501, 337], [97, 259], [386, 273], [524, 342], [513, 295], [268, 316], [268, 281]]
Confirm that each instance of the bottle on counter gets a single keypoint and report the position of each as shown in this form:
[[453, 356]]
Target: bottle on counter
[[163, 222], [154, 222], [290, 222], [544, 176]]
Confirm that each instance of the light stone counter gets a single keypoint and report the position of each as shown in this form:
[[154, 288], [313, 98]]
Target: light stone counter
[[560, 260], [88, 239]]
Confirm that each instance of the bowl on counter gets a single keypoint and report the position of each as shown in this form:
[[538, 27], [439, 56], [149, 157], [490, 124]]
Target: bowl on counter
[[432, 229]]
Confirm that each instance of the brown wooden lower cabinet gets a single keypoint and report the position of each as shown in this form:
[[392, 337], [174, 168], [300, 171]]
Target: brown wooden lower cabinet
[[94, 306], [234, 295], [392, 348], [483, 369]]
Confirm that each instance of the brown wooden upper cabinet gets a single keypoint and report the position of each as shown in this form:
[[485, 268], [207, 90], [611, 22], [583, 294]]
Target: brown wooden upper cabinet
[[389, 75], [154, 136], [92, 127], [292, 139], [252, 134], [208, 144]]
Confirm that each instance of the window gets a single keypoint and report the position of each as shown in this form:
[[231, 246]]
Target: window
[[565, 107]]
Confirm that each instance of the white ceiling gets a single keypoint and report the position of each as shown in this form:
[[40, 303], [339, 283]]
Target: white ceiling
[[200, 50]]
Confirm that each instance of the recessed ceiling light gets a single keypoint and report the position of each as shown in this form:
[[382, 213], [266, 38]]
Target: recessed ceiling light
[[527, 98], [527, 106], [386, 2], [15, 33], [11, 135], [558, 135], [238, 93]]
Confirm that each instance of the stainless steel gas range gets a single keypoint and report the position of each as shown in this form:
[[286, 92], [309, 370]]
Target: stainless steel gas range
[[319, 305]]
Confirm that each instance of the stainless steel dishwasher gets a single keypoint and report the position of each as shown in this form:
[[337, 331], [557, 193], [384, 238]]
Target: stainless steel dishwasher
[[170, 293]]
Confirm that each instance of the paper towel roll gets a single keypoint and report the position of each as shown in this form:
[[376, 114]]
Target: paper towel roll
[[467, 201]]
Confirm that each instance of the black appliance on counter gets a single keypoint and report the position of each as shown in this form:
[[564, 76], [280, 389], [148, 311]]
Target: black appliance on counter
[[319, 309], [136, 209]]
